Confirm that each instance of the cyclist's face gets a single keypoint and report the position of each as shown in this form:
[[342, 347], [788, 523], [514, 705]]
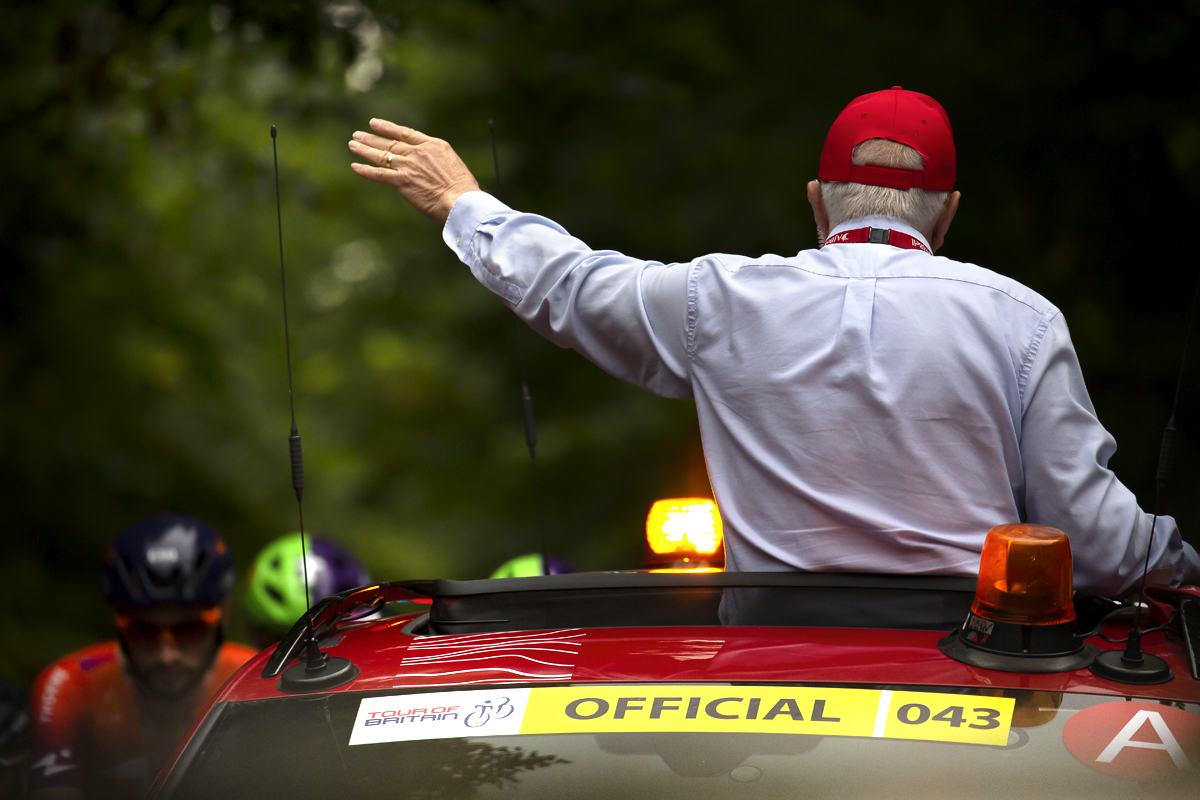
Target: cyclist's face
[[170, 645]]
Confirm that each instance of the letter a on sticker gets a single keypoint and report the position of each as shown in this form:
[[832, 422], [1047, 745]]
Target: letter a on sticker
[[785, 706], [1125, 739]]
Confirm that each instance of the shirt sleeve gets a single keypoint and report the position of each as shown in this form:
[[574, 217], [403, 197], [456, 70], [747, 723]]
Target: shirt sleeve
[[627, 315], [1065, 451], [55, 706]]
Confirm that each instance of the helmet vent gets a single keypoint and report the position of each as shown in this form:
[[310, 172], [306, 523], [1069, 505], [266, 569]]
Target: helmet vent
[[169, 558], [127, 573]]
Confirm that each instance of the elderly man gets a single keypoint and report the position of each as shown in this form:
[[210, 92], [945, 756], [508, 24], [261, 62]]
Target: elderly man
[[866, 406]]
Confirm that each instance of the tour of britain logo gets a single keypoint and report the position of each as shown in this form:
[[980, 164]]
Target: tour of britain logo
[[440, 715]]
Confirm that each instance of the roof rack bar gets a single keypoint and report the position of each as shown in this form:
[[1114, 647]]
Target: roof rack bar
[[696, 580]]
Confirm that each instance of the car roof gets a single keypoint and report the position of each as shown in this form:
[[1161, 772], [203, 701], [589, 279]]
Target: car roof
[[650, 628]]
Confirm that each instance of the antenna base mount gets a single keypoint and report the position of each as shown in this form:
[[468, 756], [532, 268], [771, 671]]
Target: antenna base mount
[[302, 678], [1142, 669]]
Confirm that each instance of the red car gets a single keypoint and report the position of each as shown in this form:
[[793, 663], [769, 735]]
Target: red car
[[627, 684]]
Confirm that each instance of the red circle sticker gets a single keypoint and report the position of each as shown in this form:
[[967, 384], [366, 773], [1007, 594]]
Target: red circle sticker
[[1139, 741]]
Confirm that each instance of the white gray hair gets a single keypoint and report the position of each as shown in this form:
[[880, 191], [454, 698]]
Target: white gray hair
[[917, 207]]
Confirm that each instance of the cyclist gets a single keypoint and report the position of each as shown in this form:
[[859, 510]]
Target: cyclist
[[530, 565], [14, 740], [107, 717], [275, 596]]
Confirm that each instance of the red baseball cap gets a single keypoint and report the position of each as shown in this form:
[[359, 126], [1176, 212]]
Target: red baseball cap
[[909, 118]]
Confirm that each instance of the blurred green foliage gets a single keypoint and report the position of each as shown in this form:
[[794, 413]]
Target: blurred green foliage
[[141, 355]]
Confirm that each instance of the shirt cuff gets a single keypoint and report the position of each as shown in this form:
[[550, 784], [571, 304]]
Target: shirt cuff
[[468, 213], [1188, 571]]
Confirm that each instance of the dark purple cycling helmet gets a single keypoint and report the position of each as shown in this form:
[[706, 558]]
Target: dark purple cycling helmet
[[342, 572], [169, 559]]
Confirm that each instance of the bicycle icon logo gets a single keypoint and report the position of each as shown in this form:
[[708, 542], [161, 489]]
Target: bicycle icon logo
[[485, 712]]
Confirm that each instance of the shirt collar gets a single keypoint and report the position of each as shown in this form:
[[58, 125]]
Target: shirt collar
[[877, 221]]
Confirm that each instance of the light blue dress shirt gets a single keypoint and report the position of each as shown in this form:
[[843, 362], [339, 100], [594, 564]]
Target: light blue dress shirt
[[863, 408]]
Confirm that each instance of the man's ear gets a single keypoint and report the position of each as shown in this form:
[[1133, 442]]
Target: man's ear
[[820, 214], [937, 234]]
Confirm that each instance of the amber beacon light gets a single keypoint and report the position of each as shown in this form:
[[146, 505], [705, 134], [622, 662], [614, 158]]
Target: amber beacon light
[[684, 533], [1023, 619]]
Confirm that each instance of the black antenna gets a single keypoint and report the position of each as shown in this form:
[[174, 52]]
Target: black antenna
[[294, 450], [1132, 665], [319, 671], [526, 397], [297, 456]]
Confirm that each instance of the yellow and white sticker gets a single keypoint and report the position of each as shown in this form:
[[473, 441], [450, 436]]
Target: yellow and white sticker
[[628, 708]]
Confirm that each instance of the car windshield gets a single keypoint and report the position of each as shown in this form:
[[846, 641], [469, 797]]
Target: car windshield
[[695, 741]]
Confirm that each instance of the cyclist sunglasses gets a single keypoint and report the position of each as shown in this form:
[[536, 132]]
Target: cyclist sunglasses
[[142, 632]]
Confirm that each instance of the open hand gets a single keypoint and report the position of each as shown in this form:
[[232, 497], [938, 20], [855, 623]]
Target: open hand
[[426, 171]]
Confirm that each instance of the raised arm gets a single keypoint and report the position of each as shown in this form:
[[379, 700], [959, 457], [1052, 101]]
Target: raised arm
[[626, 315]]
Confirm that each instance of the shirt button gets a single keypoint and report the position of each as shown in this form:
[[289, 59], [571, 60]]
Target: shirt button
[[458, 241]]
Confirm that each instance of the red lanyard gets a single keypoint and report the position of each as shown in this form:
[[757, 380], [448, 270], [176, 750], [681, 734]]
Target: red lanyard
[[878, 236]]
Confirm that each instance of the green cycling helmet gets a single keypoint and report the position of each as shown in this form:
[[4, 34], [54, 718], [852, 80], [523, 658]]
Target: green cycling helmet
[[275, 596], [530, 565]]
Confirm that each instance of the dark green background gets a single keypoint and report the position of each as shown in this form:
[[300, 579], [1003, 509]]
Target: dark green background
[[141, 348]]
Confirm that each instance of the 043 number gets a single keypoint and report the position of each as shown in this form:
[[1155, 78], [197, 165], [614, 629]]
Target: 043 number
[[916, 713]]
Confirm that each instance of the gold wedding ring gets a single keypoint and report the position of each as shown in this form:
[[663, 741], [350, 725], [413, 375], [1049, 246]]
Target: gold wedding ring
[[388, 161]]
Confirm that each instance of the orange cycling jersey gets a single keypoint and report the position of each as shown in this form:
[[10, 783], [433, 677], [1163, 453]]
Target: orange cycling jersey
[[93, 731]]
